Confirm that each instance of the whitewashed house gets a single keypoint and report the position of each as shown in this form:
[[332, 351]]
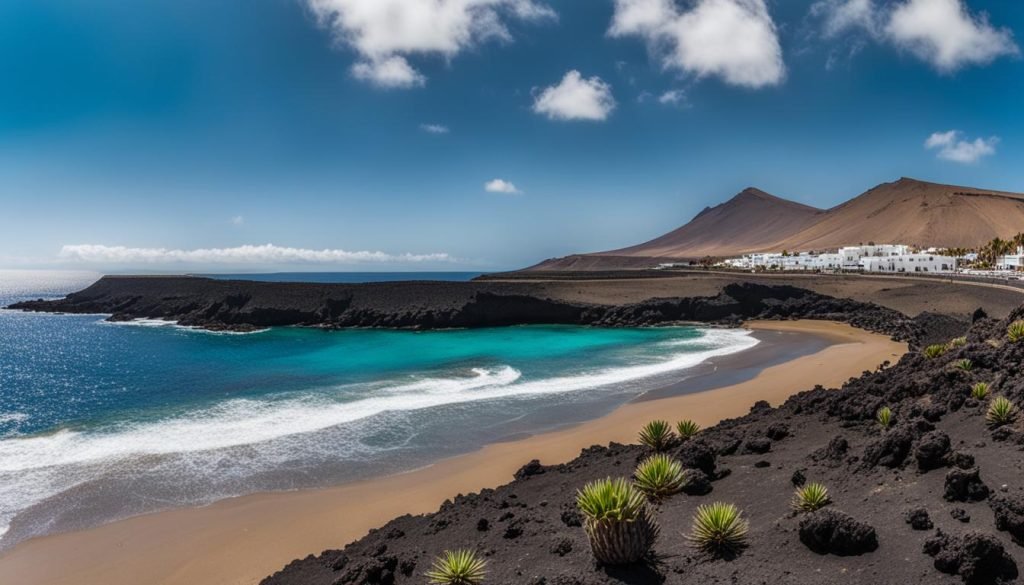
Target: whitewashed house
[[1011, 261], [930, 263]]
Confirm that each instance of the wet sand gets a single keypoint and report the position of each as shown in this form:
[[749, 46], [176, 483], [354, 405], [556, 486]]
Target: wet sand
[[242, 540]]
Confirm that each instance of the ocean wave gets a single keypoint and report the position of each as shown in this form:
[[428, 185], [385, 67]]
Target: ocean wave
[[144, 322], [240, 422]]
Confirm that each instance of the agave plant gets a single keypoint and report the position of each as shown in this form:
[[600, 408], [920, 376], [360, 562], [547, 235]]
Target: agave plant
[[718, 528], [979, 391], [933, 351], [1001, 412], [1015, 332], [811, 497], [457, 567], [687, 429], [965, 365], [659, 476], [956, 342], [657, 435], [884, 417], [617, 521]]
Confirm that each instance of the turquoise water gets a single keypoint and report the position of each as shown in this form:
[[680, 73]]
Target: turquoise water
[[100, 421]]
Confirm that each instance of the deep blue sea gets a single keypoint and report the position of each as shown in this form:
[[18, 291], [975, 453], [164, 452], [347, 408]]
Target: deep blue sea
[[100, 421]]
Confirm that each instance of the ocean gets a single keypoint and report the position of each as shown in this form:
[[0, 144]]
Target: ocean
[[100, 421]]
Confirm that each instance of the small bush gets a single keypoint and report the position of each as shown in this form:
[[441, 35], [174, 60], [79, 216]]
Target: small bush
[[811, 497], [933, 351], [659, 476], [1015, 332], [617, 521], [957, 342], [719, 528], [1001, 412], [657, 435], [687, 429], [979, 391], [884, 417], [457, 567], [965, 365]]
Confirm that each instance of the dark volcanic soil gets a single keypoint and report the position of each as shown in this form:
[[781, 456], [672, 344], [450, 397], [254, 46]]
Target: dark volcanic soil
[[937, 498]]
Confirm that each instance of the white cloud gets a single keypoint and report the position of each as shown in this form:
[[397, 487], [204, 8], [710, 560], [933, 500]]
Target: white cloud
[[735, 40], [435, 128], [389, 73], [237, 220], [386, 32], [260, 254], [672, 97], [501, 186], [952, 147], [943, 33], [842, 15], [576, 98], [946, 35]]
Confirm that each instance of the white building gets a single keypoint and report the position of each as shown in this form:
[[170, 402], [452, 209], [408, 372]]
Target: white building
[[931, 263], [1011, 261], [852, 255]]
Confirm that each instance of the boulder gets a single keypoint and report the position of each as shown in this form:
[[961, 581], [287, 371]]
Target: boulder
[[829, 531], [918, 519], [979, 559], [1009, 515], [964, 485], [932, 451]]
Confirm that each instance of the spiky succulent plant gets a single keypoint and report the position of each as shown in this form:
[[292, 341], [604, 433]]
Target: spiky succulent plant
[[811, 497], [457, 567], [617, 521], [979, 391], [657, 435], [718, 528], [957, 342], [933, 351], [1015, 332], [659, 476], [1001, 412], [884, 416], [687, 429], [965, 365]]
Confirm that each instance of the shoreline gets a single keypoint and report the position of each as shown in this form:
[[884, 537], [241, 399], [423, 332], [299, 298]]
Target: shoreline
[[241, 540]]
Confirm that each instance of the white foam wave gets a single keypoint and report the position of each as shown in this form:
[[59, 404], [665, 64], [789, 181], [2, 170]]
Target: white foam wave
[[145, 322], [13, 417], [244, 422]]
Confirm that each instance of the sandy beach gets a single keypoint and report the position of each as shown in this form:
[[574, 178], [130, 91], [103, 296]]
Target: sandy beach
[[242, 540]]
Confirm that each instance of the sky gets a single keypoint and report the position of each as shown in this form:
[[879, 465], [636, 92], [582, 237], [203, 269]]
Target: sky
[[472, 135]]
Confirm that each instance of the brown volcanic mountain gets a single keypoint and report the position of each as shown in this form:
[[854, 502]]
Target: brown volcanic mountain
[[906, 211]]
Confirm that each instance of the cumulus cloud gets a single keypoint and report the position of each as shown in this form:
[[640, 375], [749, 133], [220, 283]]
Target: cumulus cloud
[[953, 147], [501, 186], [386, 32], [576, 98], [735, 40], [672, 97], [434, 128], [943, 33], [259, 254]]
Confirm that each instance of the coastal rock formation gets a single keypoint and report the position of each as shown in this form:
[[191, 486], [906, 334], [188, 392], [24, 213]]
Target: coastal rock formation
[[874, 476]]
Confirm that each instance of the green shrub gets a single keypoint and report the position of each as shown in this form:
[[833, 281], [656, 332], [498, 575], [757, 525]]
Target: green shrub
[[933, 351], [617, 521], [457, 567], [884, 417], [964, 364], [1001, 412], [1015, 332], [811, 497], [687, 429], [956, 342], [657, 435], [979, 391], [659, 476], [718, 528]]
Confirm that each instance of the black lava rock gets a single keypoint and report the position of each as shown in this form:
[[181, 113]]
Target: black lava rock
[[777, 431], [695, 483], [530, 469], [964, 485], [834, 453], [831, 531], [960, 514], [919, 520], [932, 451], [979, 559], [697, 454], [891, 449], [798, 479], [758, 445], [1009, 515]]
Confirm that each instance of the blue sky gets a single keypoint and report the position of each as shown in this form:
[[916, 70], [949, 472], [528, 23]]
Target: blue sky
[[170, 135]]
